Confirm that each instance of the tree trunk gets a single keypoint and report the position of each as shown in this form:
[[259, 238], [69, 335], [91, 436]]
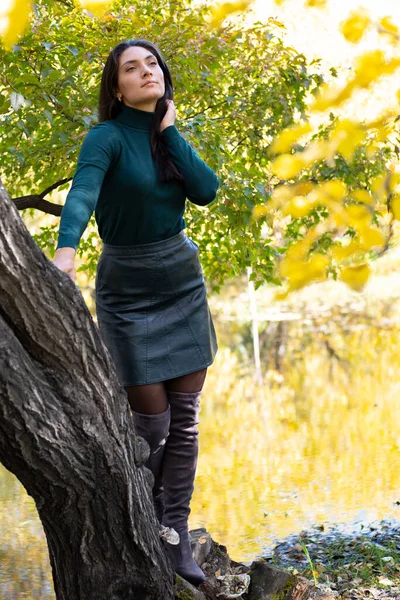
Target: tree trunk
[[66, 432]]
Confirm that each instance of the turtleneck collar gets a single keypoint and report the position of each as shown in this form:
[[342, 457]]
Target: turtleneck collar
[[136, 118]]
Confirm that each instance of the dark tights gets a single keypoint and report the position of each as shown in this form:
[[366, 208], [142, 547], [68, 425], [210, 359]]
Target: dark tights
[[152, 399]]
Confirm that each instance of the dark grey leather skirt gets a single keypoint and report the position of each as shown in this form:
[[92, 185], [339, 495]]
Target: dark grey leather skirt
[[152, 310]]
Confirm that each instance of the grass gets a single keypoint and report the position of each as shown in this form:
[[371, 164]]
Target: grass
[[349, 563]]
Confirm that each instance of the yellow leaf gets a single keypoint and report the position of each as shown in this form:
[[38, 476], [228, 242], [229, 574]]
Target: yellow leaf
[[221, 11], [300, 273], [346, 136], [314, 152], [395, 206], [284, 193], [331, 96], [281, 295], [354, 27], [358, 216], [299, 250], [378, 185], [330, 194], [272, 21], [14, 21], [339, 215], [372, 238], [317, 265], [356, 276], [394, 180], [295, 253], [97, 7], [303, 188], [334, 189], [388, 26], [298, 207], [281, 194], [340, 252], [362, 195], [316, 3], [287, 166], [260, 210], [372, 65], [285, 140]]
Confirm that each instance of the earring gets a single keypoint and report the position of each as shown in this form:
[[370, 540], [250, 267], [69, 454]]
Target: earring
[[119, 98]]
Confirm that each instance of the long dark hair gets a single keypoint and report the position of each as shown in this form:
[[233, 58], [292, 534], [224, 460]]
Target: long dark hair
[[110, 106]]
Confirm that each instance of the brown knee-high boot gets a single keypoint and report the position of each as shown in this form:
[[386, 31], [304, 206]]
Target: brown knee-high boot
[[154, 429], [179, 470]]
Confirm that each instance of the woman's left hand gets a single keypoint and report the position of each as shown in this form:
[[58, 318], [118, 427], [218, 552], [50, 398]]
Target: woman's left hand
[[169, 117]]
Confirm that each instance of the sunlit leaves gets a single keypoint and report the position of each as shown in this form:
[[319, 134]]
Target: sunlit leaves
[[235, 90], [334, 226], [238, 91]]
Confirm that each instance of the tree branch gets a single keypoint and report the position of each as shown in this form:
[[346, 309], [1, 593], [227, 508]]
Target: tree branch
[[37, 200]]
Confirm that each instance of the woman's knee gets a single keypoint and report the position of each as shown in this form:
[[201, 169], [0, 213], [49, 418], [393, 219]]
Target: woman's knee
[[191, 383], [148, 399]]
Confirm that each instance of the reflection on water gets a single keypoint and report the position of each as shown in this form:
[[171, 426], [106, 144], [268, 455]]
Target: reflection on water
[[24, 563], [274, 464], [318, 446]]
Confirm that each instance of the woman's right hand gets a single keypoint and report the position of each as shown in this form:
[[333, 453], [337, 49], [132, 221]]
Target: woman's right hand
[[169, 117], [64, 259]]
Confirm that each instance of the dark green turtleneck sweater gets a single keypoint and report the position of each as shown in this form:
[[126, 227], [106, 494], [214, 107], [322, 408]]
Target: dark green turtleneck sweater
[[117, 177]]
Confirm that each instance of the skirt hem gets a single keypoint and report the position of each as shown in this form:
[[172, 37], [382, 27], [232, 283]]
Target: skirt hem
[[180, 375]]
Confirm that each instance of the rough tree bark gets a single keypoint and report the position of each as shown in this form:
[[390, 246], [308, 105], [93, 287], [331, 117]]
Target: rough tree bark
[[66, 433]]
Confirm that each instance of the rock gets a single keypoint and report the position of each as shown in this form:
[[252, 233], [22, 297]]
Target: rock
[[201, 544], [268, 583], [217, 561]]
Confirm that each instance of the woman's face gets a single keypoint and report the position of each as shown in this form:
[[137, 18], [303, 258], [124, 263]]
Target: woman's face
[[138, 66]]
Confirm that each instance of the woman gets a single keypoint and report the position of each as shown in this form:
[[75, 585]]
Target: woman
[[136, 171]]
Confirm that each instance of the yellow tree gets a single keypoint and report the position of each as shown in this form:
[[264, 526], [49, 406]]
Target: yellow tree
[[340, 224]]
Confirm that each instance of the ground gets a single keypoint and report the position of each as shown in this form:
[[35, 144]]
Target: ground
[[359, 564]]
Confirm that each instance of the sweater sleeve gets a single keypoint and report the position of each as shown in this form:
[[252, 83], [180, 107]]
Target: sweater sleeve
[[201, 183], [97, 152]]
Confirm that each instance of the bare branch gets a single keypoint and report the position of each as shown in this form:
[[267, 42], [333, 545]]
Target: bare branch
[[37, 200]]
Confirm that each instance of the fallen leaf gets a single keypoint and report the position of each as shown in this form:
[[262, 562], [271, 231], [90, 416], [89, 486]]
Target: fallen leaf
[[384, 580]]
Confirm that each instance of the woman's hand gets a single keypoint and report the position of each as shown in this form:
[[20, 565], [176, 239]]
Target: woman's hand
[[64, 260], [169, 117]]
